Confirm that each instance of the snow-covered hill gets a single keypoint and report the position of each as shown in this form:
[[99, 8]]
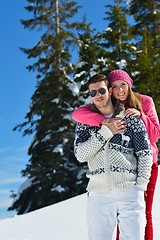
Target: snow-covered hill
[[62, 221]]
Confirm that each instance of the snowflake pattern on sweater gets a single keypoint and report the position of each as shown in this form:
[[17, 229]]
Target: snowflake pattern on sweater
[[117, 161]]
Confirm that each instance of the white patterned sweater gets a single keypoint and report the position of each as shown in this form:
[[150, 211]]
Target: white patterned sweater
[[117, 161]]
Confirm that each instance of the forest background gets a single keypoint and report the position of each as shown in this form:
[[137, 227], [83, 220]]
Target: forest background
[[68, 50]]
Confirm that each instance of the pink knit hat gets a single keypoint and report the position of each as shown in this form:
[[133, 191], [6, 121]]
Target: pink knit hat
[[116, 75]]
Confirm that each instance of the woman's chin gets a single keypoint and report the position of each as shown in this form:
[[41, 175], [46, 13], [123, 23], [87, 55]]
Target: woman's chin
[[121, 98]]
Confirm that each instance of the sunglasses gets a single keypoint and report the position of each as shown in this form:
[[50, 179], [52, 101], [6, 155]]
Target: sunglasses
[[100, 90]]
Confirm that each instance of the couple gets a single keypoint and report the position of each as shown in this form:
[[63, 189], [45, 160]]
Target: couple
[[118, 156]]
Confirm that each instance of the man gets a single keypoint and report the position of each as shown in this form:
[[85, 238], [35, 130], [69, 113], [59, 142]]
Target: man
[[119, 160]]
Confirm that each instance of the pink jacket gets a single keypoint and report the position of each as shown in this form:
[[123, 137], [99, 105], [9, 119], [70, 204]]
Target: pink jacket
[[149, 117]]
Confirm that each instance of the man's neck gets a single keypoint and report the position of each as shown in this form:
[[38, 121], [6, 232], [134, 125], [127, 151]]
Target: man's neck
[[107, 110]]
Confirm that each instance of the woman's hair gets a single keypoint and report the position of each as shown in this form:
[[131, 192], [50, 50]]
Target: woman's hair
[[133, 100]]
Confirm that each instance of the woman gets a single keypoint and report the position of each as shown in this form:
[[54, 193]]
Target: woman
[[135, 104]]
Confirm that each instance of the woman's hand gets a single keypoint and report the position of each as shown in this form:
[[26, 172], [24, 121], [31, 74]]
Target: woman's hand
[[132, 112]]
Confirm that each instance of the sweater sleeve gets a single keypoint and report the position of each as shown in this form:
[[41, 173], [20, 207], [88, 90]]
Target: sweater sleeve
[[142, 151], [150, 118], [84, 115], [89, 140]]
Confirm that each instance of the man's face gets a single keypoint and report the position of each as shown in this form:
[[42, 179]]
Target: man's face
[[102, 95]]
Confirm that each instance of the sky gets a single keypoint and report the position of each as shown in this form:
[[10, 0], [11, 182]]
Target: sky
[[17, 88], [65, 220]]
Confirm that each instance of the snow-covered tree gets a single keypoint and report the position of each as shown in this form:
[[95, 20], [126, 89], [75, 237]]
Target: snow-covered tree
[[146, 16], [107, 50], [130, 41], [53, 172]]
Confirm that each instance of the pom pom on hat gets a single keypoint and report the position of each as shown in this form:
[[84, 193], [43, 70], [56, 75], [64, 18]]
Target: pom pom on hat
[[119, 74]]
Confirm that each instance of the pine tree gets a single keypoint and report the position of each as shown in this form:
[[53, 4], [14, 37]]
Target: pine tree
[[53, 172], [147, 62], [88, 64], [103, 51], [116, 38]]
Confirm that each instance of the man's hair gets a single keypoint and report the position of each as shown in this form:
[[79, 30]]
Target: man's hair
[[98, 78]]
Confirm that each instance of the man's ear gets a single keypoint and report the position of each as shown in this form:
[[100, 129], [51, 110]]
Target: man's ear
[[110, 91]]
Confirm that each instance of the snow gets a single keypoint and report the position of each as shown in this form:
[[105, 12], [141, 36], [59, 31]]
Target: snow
[[65, 220]]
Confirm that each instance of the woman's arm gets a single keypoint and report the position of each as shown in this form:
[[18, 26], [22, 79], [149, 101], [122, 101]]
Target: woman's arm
[[150, 118], [86, 116]]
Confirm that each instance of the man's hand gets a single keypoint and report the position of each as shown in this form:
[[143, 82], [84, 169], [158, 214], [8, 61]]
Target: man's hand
[[116, 125]]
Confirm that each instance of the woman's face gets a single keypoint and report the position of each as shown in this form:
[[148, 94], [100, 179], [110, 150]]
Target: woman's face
[[120, 90]]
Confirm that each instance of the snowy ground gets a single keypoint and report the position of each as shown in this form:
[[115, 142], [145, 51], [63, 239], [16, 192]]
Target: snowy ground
[[62, 221]]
